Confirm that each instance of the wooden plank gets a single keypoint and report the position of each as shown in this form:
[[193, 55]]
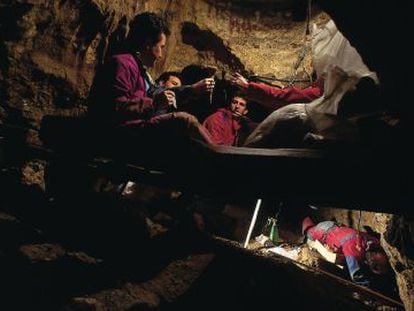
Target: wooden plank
[[352, 179], [327, 254], [283, 270]]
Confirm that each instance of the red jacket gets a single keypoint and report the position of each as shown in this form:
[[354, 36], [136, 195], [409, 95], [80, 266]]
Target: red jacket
[[275, 98], [223, 128], [346, 241]]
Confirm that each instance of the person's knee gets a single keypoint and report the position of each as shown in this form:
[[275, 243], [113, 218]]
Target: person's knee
[[187, 118]]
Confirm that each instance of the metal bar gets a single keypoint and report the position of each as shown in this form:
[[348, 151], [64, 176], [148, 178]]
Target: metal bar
[[253, 222]]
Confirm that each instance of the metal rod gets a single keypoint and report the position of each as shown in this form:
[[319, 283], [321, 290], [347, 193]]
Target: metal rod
[[253, 222]]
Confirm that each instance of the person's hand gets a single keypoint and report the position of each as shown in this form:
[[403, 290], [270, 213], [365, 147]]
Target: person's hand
[[237, 114], [205, 85], [238, 80], [170, 98], [166, 98]]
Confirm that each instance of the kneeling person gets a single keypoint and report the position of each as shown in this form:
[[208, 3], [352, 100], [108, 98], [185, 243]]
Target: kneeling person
[[362, 251]]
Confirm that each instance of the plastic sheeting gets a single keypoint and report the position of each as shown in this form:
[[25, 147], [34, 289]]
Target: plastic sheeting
[[342, 67], [339, 63]]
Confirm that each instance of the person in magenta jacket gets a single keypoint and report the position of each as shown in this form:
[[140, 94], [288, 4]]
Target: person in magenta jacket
[[121, 97], [273, 97], [362, 252], [229, 126]]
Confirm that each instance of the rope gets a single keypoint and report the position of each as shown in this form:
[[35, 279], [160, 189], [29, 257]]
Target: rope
[[308, 17], [167, 9], [270, 219], [359, 220], [260, 78], [358, 230], [280, 209], [304, 50]]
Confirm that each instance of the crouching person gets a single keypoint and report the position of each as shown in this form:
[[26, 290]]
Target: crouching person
[[363, 253]]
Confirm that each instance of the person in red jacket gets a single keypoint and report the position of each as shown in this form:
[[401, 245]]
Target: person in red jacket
[[362, 251], [229, 126], [273, 97]]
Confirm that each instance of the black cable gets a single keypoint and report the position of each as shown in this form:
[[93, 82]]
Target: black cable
[[308, 17], [259, 78], [359, 220]]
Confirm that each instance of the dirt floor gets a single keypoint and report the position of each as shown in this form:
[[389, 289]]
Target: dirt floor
[[102, 253]]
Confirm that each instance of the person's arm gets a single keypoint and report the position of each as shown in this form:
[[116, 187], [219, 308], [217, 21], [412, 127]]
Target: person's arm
[[203, 86], [274, 98], [214, 126], [176, 98], [130, 100]]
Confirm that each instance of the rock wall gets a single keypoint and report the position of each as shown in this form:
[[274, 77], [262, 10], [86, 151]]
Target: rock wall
[[49, 51]]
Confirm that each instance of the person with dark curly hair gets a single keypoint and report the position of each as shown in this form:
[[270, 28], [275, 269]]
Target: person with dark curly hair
[[121, 97]]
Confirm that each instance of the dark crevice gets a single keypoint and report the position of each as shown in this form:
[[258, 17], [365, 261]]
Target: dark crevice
[[9, 17], [4, 66], [387, 57], [207, 41], [401, 235], [91, 20], [115, 40], [64, 94]]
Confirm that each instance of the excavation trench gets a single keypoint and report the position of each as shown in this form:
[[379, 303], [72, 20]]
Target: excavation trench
[[64, 256], [246, 279]]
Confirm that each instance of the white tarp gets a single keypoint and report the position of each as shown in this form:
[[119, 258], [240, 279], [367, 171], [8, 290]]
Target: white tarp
[[339, 63], [342, 67], [289, 253]]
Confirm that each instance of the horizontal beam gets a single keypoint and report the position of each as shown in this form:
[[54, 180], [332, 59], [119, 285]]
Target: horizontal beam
[[351, 178]]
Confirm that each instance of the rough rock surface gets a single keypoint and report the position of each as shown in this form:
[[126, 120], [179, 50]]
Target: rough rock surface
[[49, 52]]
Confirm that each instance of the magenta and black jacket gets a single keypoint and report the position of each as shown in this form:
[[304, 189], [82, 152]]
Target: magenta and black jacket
[[119, 96]]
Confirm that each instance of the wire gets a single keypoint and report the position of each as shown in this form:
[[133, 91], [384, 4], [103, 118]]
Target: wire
[[359, 220], [280, 209], [259, 78], [308, 17]]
